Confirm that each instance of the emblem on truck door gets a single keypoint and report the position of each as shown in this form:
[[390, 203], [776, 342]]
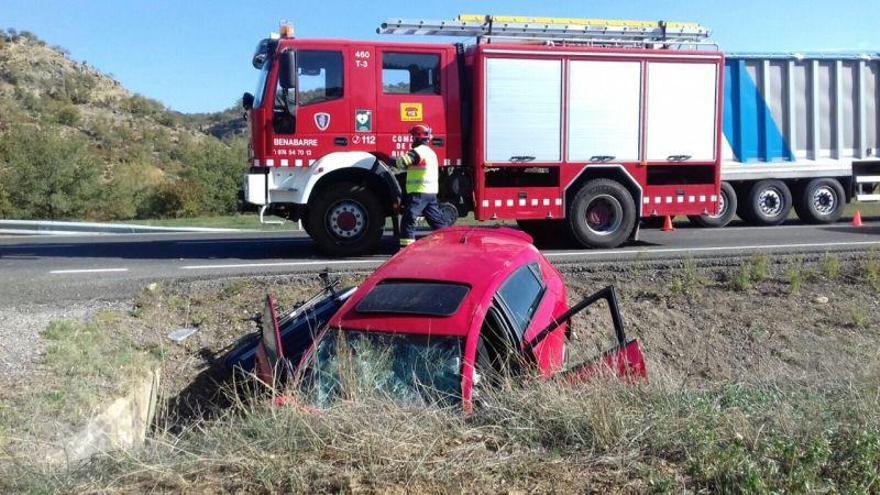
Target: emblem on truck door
[[363, 121], [411, 112], [322, 120]]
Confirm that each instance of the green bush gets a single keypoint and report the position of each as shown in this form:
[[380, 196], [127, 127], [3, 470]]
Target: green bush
[[67, 115], [141, 106], [47, 175], [130, 188]]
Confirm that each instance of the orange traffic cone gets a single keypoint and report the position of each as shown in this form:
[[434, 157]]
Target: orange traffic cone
[[667, 224], [857, 219]]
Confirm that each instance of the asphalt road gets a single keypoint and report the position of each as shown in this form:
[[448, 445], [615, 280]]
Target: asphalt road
[[52, 269]]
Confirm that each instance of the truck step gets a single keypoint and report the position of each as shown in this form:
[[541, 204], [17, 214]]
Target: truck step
[[867, 197], [862, 179]]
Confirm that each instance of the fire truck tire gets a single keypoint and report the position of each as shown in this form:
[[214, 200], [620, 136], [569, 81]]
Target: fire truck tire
[[820, 201], [602, 214], [768, 202], [728, 210], [346, 219], [304, 221], [449, 213]]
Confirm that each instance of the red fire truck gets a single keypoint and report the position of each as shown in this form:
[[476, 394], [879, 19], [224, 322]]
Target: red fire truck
[[568, 126]]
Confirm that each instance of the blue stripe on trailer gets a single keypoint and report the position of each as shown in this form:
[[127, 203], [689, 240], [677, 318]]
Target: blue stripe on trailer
[[749, 126]]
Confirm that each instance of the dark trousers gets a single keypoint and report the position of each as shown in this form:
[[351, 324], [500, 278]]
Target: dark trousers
[[419, 205]]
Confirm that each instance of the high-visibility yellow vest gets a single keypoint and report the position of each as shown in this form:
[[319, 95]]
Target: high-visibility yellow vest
[[422, 171]]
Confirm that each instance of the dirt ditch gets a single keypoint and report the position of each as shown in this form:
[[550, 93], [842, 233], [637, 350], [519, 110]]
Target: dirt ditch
[[804, 321]]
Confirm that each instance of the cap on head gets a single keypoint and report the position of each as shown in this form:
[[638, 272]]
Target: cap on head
[[420, 132]]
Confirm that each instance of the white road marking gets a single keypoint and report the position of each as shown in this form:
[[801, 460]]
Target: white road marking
[[589, 253], [89, 270], [286, 263], [712, 248]]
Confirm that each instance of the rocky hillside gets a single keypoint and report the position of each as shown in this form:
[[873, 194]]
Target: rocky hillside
[[82, 146]]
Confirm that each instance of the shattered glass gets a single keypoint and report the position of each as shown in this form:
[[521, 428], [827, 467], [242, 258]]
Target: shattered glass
[[408, 369]]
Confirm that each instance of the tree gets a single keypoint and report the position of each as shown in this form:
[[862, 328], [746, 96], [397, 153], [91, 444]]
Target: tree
[[47, 175]]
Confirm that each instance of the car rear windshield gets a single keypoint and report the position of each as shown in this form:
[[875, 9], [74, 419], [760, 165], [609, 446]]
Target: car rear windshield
[[418, 298]]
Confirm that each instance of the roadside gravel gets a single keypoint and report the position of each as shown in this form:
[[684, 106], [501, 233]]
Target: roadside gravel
[[21, 328]]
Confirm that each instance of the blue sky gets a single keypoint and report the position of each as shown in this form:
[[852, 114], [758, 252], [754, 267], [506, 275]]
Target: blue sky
[[194, 55]]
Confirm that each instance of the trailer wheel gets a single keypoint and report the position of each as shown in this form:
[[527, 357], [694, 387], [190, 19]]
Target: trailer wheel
[[727, 209], [820, 201], [346, 220], [768, 203], [602, 214]]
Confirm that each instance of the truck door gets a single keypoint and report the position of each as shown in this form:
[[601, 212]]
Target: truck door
[[411, 90], [320, 124]]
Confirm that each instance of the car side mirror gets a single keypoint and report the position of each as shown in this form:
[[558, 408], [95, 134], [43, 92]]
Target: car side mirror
[[287, 69], [247, 101]]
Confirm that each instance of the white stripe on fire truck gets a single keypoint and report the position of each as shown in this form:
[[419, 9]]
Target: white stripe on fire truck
[[509, 202], [534, 201], [558, 201], [270, 162], [646, 200], [446, 161], [311, 162], [522, 202], [702, 198], [458, 161], [298, 163], [657, 200], [256, 162], [691, 199], [668, 199], [714, 198], [284, 163], [485, 203], [497, 203], [680, 199], [546, 202]]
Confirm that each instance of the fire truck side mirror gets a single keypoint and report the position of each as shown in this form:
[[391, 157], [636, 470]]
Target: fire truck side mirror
[[287, 69], [247, 101]]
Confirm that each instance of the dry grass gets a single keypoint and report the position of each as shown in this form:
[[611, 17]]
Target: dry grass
[[761, 390], [544, 437]]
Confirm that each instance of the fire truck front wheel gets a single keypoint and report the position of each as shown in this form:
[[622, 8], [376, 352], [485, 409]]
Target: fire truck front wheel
[[602, 214], [346, 219]]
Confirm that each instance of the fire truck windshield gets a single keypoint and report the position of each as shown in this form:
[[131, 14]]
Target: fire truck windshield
[[261, 84], [408, 369]]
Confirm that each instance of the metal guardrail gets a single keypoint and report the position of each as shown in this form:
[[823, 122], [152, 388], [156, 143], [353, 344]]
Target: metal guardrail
[[52, 227]]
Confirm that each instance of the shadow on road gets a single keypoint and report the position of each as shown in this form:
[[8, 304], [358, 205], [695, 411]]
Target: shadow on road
[[873, 230], [268, 246], [243, 248]]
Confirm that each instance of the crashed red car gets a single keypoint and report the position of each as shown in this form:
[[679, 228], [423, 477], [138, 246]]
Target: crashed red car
[[438, 321]]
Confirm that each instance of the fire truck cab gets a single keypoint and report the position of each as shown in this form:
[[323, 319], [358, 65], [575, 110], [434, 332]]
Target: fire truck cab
[[570, 127]]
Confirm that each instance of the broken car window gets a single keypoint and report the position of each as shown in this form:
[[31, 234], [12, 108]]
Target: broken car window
[[410, 369]]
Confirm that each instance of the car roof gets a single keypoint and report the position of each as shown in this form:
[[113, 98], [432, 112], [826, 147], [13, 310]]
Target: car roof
[[480, 258]]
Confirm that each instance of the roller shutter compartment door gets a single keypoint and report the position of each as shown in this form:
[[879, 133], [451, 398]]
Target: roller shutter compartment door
[[523, 109], [681, 111]]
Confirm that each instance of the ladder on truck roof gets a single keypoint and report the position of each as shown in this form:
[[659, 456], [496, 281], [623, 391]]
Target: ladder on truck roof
[[550, 30]]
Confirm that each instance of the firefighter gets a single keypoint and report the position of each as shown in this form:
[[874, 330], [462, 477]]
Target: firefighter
[[422, 185]]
